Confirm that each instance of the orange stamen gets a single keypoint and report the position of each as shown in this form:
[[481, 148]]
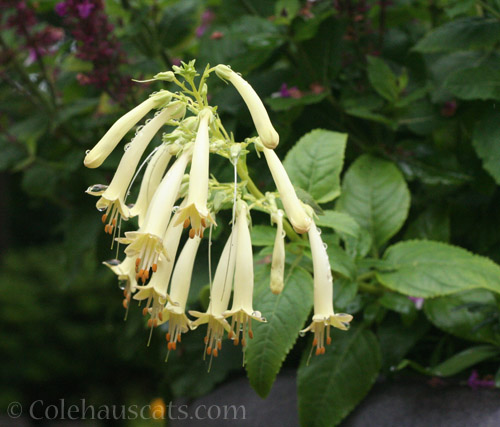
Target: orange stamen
[[192, 233], [104, 217], [203, 223], [144, 311], [168, 336], [186, 223], [216, 353], [209, 350], [154, 267]]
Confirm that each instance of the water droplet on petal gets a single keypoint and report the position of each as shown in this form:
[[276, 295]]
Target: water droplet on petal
[[102, 208], [127, 146], [87, 151], [319, 230], [175, 209], [112, 262], [122, 284], [325, 245], [302, 334], [97, 188]]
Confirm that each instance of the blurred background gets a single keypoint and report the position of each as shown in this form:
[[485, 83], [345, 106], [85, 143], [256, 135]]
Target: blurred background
[[66, 70]]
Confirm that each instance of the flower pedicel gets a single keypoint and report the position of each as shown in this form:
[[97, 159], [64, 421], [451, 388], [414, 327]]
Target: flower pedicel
[[185, 195]]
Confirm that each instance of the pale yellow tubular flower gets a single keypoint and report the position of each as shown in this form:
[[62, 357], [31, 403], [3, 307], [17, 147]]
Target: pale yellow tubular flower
[[196, 211], [150, 181], [113, 136], [324, 316], [241, 311], [146, 244], [174, 311], [278, 260], [219, 299], [125, 271], [155, 292], [265, 129], [295, 212], [113, 198]]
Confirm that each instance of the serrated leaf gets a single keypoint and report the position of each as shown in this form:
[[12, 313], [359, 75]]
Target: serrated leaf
[[375, 194], [464, 360], [486, 141], [482, 82], [461, 34], [334, 383], [340, 222], [382, 79], [286, 314], [315, 162], [455, 314], [428, 269]]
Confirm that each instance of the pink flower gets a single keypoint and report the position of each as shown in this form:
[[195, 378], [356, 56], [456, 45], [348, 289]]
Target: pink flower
[[61, 8], [85, 9]]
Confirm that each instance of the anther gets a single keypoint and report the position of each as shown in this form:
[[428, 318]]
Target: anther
[[318, 351], [150, 323], [205, 340], [192, 233], [243, 342], [155, 323], [315, 342], [144, 311], [219, 345], [114, 222], [204, 223], [146, 274], [160, 316], [125, 303], [137, 262], [154, 267], [209, 350], [328, 340], [179, 338], [201, 233], [250, 334], [168, 336], [236, 341], [104, 217], [230, 334], [174, 346], [216, 353], [186, 223]]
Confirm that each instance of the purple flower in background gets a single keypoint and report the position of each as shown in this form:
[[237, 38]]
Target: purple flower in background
[[419, 302], [475, 382], [206, 19], [84, 9], [61, 8], [292, 92]]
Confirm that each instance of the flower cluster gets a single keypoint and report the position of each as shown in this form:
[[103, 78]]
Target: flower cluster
[[20, 18], [95, 43], [183, 195]]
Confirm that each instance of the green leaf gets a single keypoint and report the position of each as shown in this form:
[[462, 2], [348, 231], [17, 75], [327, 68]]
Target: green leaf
[[397, 302], [382, 79], [396, 339], [469, 315], [286, 314], [461, 34], [482, 82], [431, 224], [340, 222], [486, 141], [375, 194], [428, 269], [315, 162], [263, 235], [463, 360], [333, 384]]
